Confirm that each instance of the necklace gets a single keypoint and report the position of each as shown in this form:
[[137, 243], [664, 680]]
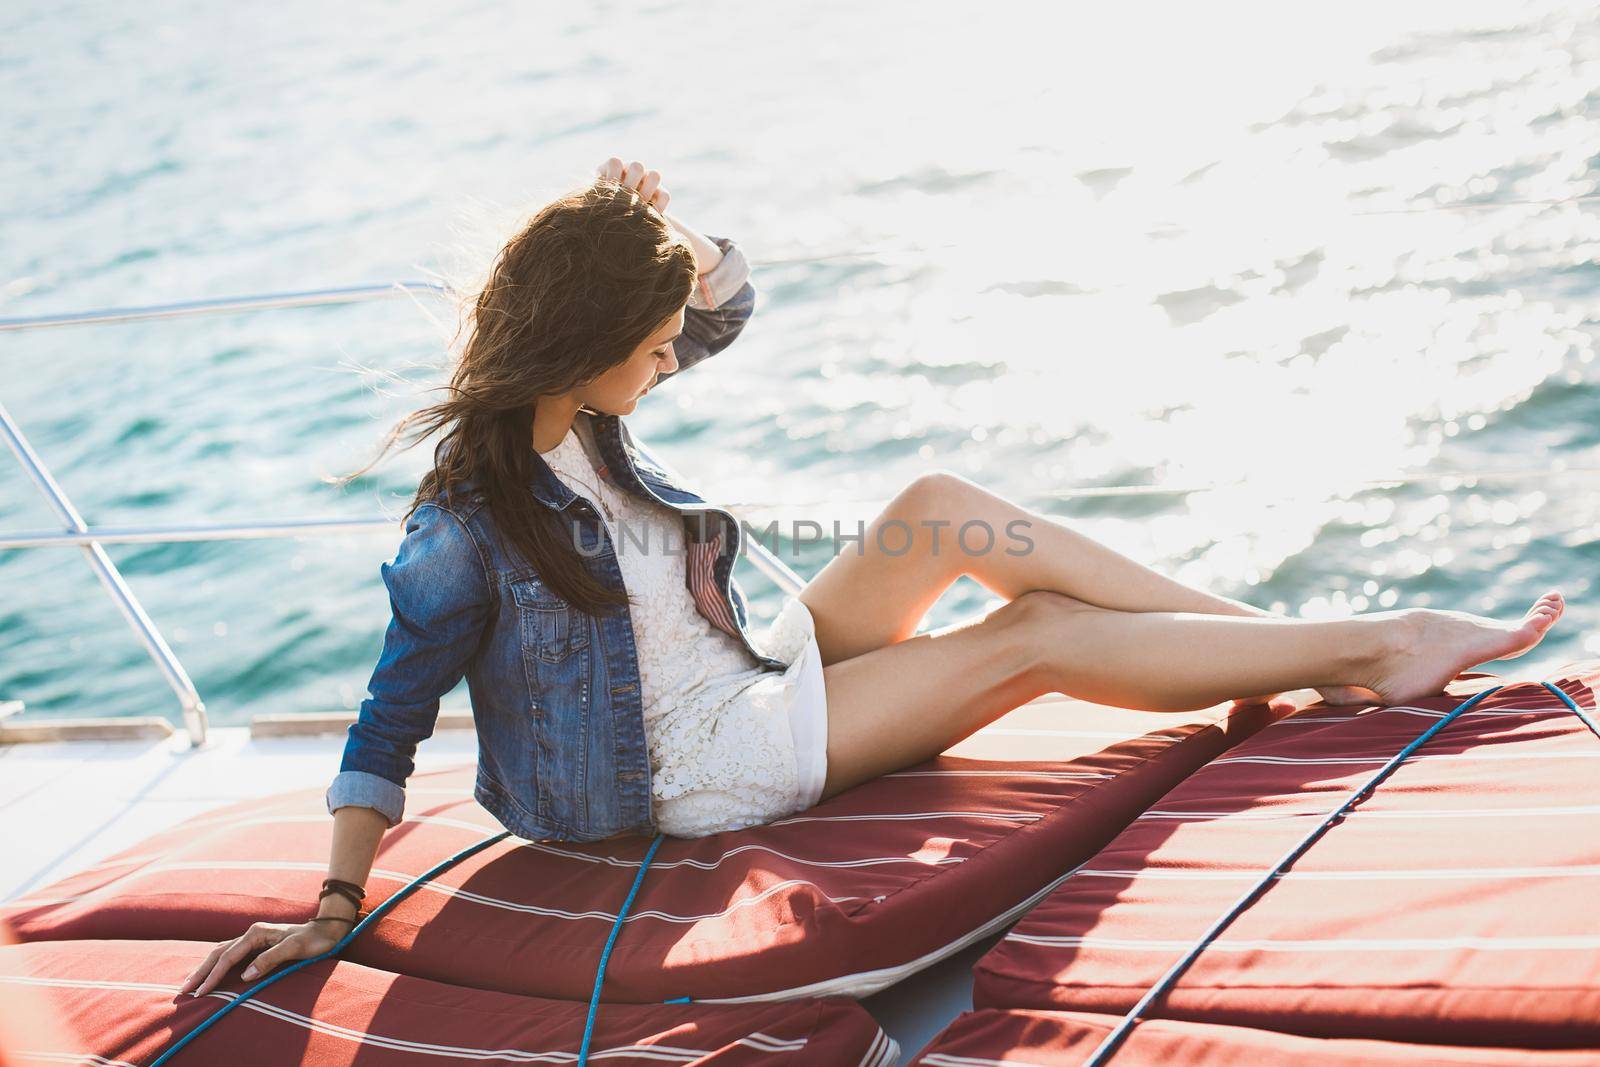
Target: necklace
[[595, 496]]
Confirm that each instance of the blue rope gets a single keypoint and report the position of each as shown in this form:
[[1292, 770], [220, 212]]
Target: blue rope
[[1114, 1040], [372, 917], [1579, 712], [605, 954]]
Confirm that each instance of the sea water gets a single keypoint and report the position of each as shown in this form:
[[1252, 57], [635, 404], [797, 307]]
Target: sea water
[[1319, 285]]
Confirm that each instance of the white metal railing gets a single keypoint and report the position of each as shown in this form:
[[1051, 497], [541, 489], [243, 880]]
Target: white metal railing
[[91, 539], [220, 531], [348, 294], [194, 710]]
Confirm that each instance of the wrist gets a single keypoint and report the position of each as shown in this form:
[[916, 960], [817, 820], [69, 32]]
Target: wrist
[[707, 254], [707, 257], [339, 899], [720, 284], [336, 907]]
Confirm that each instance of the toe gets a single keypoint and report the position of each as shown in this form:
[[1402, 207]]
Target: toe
[[1544, 613]]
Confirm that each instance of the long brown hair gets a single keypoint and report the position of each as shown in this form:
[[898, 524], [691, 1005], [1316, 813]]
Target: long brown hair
[[580, 286]]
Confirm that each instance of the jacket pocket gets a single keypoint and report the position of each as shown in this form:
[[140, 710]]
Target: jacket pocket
[[551, 631]]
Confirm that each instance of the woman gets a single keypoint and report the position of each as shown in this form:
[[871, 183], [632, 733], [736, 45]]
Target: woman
[[614, 684]]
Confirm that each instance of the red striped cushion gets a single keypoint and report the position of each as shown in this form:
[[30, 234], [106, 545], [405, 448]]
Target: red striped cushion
[[850, 896], [1065, 1039], [120, 1003], [1457, 904], [28, 1020]]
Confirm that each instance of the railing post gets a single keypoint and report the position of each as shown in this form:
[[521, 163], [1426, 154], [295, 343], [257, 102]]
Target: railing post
[[194, 710]]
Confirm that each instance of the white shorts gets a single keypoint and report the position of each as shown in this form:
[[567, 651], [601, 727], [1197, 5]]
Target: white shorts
[[765, 753], [808, 706]]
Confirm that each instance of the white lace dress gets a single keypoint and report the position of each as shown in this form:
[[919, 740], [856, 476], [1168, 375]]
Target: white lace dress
[[732, 743]]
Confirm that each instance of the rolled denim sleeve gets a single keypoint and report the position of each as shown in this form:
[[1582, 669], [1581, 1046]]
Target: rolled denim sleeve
[[440, 598], [721, 303]]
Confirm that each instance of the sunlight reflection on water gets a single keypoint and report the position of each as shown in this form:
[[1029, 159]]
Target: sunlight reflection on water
[[1128, 246]]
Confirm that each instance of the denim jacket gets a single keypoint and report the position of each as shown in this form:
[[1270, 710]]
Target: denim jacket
[[555, 693]]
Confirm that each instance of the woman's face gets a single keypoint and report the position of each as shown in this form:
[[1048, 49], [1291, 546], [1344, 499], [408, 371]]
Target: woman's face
[[617, 391]]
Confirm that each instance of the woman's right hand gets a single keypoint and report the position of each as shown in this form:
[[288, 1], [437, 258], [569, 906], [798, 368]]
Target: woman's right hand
[[282, 942]]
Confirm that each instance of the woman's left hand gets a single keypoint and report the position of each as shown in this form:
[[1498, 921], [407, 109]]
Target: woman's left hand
[[647, 183]]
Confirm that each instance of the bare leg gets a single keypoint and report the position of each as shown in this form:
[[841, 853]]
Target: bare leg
[[1182, 661], [907, 702], [877, 596], [1066, 561], [1178, 661]]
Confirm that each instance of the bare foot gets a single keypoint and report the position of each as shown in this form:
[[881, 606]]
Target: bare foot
[[1427, 648]]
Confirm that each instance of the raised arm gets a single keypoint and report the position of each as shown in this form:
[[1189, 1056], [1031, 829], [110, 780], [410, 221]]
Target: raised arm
[[722, 302], [723, 298]]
